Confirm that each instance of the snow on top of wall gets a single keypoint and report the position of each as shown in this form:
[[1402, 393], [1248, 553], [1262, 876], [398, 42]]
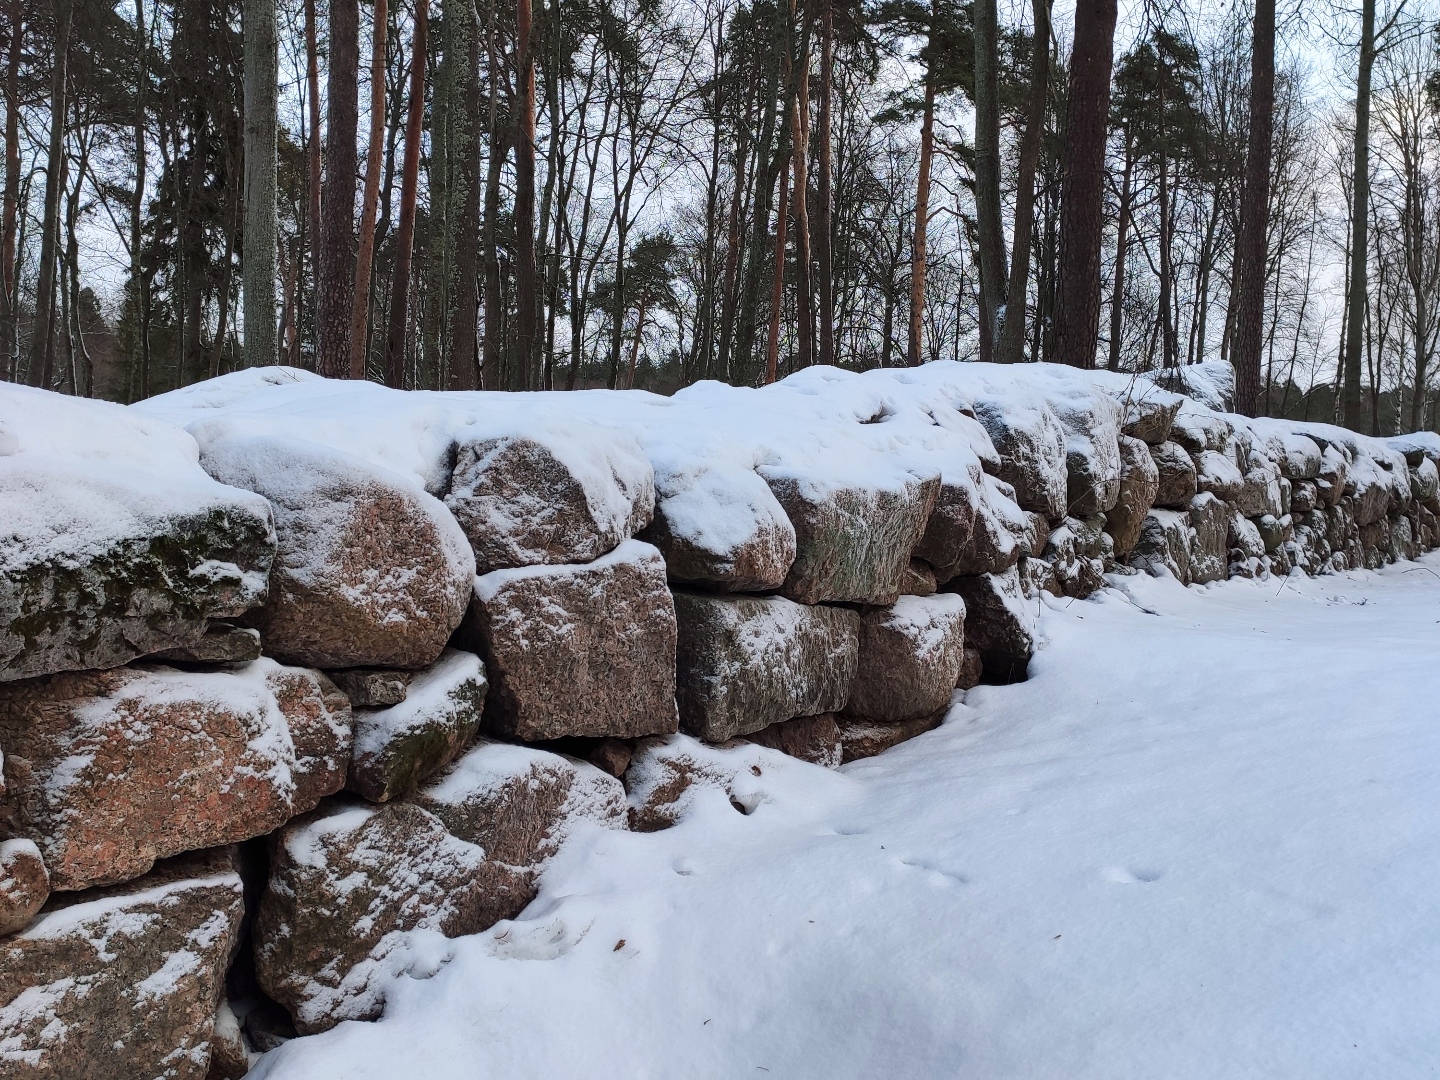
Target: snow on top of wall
[[77, 475]]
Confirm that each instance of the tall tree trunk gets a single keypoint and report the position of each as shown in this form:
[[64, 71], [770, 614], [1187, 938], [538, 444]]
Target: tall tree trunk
[[922, 221], [313, 143], [1250, 243], [262, 72], [1350, 399], [1122, 236], [990, 234], [1169, 350], [777, 283], [824, 257], [42, 345], [464, 372], [374, 161], [800, 140], [526, 295], [337, 210], [10, 331], [1082, 184], [490, 243], [409, 185], [1012, 332], [139, 279]]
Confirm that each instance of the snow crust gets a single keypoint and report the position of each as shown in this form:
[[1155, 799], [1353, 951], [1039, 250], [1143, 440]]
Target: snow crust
[[78, 476], [433, 697], [1201, 841]]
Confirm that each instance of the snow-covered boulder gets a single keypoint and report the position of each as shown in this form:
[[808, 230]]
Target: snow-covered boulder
[[1092, 453], [997, 538], [1425, 484], [919, 579], [584, 649], [548, 496], [667, 776], [1164, 545], [24, 884], [909, 657], [815, 739], [1198, 429], [114, 542], [398, 747], [1031, 445], [1209, 538], [1212, 383], [110, 771], [853, 542], [1149, 412], [1139, 486], [347, 885], [372, 571], [746, 662], [861, 738], [999, 623], [125, 982], [1178, 480], [1245, 539], [1260, 489], [1217, 473], [520, 804]]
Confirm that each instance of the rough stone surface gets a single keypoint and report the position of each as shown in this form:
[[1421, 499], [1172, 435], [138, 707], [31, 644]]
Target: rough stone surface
[[744, 663], [24, 884], [1139, 485], [611, 756], [1210, 535], [815, 739], [583, 650], [667, 775], [229, 1058], [1031, 445], [755, 559], [952, 522], [1218, 474], [866, 738], [122, 982], [371, 570], [853, 544], [109, 771], [1164, 545], [520, 804], [999, 623], [94, 577], [996, 541], [527, 502], [1178, 481], [910, 657], [372, 688], [919, 579], [972, 670], [1260, 491], [346, 885], [221, 644], [1149, 413], [397, 748], [1092, 453]]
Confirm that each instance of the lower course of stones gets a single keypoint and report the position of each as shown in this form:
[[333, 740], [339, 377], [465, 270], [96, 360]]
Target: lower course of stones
[[273, 702]]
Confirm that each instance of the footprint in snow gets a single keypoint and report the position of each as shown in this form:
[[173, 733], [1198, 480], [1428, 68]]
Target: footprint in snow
[[1123, 876]]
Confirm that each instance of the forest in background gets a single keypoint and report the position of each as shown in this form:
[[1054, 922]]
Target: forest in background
[[555, 194]]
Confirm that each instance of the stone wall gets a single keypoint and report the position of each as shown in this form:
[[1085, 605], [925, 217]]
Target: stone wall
[[292, 672]]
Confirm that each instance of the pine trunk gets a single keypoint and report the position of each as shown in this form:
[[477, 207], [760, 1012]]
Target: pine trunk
[[1251, 243], [262, 68], [1350, 399], [526, 295], [10, 331], [1082, 185], [800, 140], [824, 258], [990, 232], [409, 185], [42, 345], [1122, 237], [1012, 333], [465, 127], [337, 209], [374, 161], [922, 221]]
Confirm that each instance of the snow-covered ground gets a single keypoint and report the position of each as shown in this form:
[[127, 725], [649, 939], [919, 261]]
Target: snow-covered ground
[[1202, 841]]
